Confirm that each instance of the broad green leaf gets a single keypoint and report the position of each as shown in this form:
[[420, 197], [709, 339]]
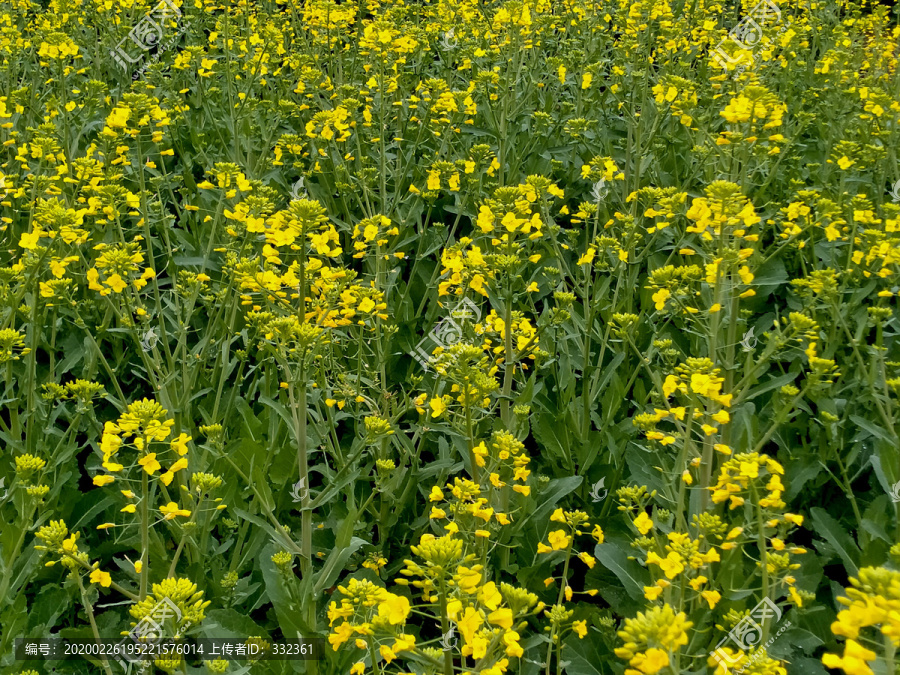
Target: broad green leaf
[[834, 534]]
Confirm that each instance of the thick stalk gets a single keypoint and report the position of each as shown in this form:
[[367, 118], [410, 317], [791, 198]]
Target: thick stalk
[[508, 364], [90, 614], [470, 438], [559, 599], [302, 457], [763, 554], [145, 532]]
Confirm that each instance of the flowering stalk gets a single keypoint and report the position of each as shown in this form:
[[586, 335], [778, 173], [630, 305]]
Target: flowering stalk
[[89, 610], [145, 531]]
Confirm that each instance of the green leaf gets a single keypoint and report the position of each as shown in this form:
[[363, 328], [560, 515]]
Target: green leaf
[[884, 474], [262, 489], [872, 428], [835, 535], [335, 563], [228, 623], [287, 610], [252, 424], [629, 572], [555, 490], [552, 437], [769, 385]]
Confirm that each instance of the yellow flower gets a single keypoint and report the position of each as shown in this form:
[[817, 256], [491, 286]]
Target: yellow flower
[[395, 608], [652, 592], [697, 582], [660, 298], [558, 540], [118, 118], [672, 565], [513, 648], [116, 283], [149, 463], [712, 597], [643, 523], [171, 510], [502, 617], [651, 661], [469, 623], [468, 578], [489, 595], [670, 385], [580, 628], [703, 384], [179, 444], [854, 661], [437, 406], [750, 469], [341, 634], [102, 480], [102, 578], [167, 477]]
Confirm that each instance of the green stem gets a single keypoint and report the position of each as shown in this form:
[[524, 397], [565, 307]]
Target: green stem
[[763, 554], [145, 532], [89, 610]]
